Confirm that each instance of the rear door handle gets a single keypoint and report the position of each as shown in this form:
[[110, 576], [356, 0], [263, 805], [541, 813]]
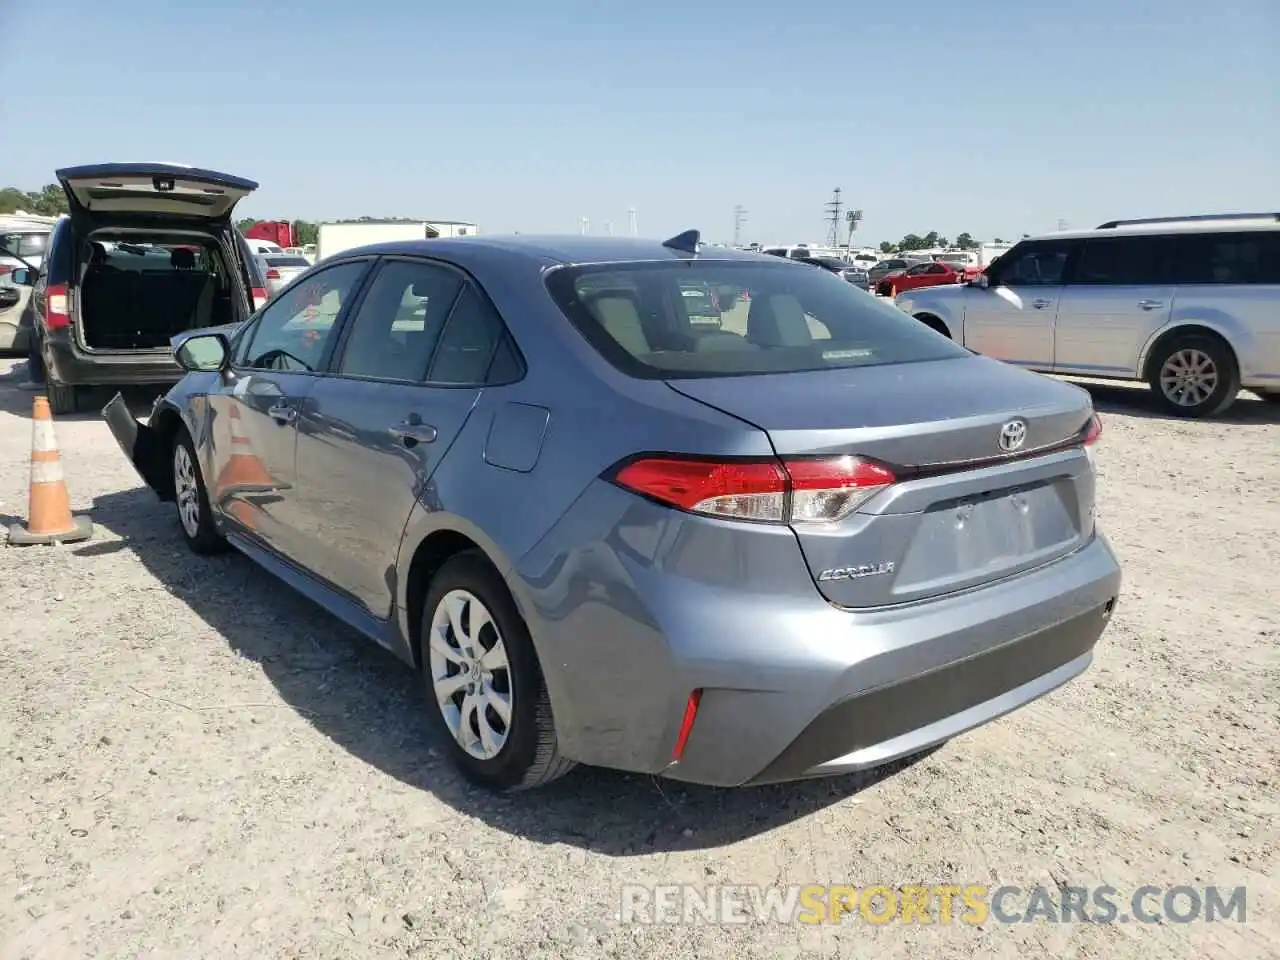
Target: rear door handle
[[282, 413], [1150, 304], [1041, 304], [410, 433]]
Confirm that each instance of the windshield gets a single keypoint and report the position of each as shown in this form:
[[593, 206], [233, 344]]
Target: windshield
[[774, 318]]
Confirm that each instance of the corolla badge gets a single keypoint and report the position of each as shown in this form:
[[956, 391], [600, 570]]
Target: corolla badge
[[857, 572], [1013, 435]]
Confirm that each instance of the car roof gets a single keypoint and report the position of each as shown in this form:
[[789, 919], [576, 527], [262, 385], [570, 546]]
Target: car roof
[[551, 249], [1164, 229]]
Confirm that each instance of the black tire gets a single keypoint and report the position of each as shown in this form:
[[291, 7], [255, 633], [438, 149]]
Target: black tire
[[1224, 365], [529, 757], [63, 398], [205, 539]]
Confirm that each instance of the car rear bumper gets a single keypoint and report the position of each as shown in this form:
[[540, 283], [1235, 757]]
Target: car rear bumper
[[791, 686], [67, 363]]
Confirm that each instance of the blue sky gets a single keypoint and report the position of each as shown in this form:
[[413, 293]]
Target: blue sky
[[996, 117]]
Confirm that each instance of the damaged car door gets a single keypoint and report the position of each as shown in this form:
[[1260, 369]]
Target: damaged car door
[[254, 415]]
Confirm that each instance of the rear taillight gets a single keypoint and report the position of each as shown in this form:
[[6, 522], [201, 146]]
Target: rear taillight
[[57, 313], [774, 491], [273, 274], [1093, 431], [5, 269], [259, 297]]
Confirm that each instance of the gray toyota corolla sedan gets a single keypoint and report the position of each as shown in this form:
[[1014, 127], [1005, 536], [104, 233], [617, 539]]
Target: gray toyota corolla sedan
[[807, 538]]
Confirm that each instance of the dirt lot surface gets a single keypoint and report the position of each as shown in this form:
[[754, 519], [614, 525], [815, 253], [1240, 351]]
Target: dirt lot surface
[[198, 763]]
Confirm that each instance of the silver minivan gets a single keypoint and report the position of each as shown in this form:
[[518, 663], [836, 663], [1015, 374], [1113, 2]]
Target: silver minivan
[[1190, 305]]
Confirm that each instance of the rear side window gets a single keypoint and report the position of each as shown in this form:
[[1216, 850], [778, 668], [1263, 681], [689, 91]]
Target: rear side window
[[1229, 258], [773, 318], [1120, 261], [474, 335]]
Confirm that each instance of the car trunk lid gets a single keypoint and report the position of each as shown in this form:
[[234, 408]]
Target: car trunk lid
[[155, 190], [964, 510]]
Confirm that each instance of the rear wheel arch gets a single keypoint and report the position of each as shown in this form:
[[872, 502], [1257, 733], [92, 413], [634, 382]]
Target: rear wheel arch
[[435, 550], [934, 322]]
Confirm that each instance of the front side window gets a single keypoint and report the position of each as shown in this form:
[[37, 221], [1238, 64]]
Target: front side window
[[773, 318], [1034, 264], [293, 333], [394, 333]]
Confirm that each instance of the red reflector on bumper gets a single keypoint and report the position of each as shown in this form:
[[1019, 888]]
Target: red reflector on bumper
[[686, 725]]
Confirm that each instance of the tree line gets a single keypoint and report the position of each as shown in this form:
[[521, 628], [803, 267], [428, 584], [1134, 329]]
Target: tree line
[[48, 201], [932, 239]]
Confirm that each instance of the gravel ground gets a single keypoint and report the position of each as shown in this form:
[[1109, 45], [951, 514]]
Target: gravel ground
[[198, 763]]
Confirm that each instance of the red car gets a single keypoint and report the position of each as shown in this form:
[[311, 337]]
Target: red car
[[929, 274]]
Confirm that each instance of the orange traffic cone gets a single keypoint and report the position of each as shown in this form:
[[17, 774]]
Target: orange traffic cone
[[244, 472], [49, 510]]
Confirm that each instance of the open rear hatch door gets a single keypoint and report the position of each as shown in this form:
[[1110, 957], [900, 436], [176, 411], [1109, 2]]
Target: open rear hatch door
[[154, 190], [961, 510]]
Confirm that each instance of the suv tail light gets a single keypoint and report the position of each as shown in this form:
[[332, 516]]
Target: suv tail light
[[5, 268], [57, 313], [259, 297], [273, 274], [800, 490]]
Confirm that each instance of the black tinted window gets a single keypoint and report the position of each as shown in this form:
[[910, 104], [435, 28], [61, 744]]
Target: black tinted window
[[471, 338], [773, 318], [293, 333], [1252, 257], [1125, 260], [396, 328], [285, 260], [1034, 264]]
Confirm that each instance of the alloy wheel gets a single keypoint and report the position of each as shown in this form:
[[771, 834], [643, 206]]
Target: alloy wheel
[[1189, 377], [470, 674], [186, 491]]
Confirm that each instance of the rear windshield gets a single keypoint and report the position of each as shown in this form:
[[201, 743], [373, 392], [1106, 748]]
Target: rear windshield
[[285, 261], [645, 318]]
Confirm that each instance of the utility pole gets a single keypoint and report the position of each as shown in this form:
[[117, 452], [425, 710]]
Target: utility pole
[[1062, 225], [608, 228], [739, 218], [632, 227], [833, 217], [586, 225]]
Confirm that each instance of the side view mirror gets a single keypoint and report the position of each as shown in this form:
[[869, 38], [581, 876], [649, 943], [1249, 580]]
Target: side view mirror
[[980, 281], [204, 353], [22, 277]]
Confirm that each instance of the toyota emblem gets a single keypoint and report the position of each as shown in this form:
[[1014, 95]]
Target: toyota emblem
[[1013, 435]]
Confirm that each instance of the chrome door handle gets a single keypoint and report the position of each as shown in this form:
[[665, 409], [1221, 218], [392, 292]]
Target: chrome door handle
[[1150, 304], [410, 433], [1041, 304], [283, 413]]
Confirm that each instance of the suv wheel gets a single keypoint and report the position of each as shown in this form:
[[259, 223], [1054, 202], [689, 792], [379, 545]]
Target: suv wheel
[[1195, 376], [488, 699], [192, 499], [62, 397]]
